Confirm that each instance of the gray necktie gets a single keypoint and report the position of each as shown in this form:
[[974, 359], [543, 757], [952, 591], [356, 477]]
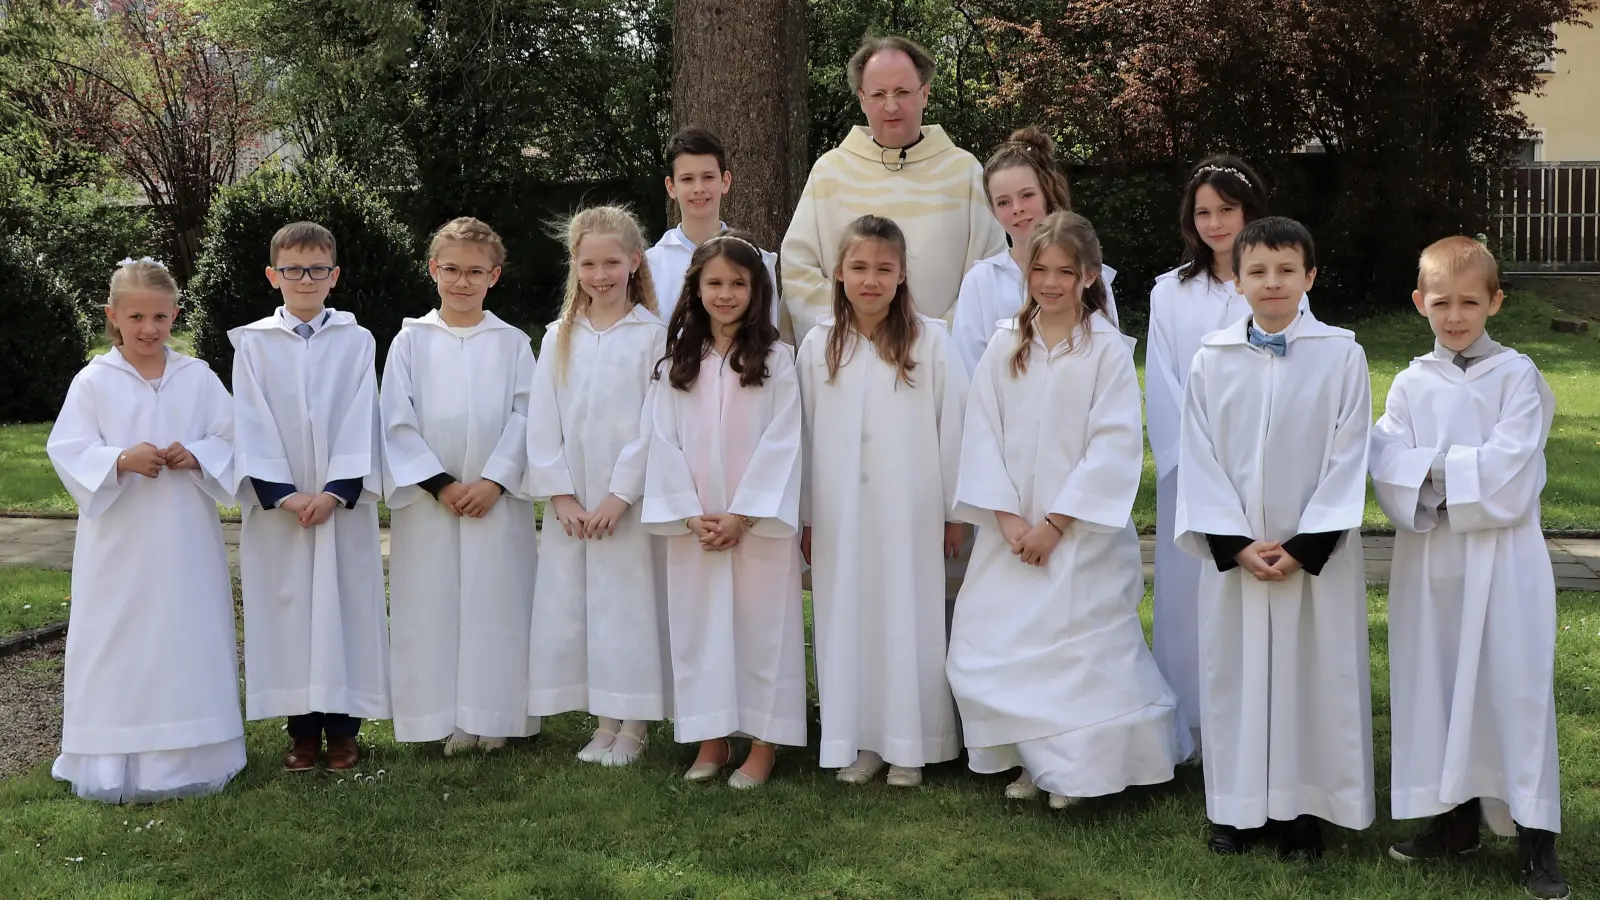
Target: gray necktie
[[1462, 361], [304, 330]]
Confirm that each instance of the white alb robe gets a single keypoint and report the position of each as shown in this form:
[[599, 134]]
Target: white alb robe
[[1472, 598], [735, 616], [150, 704], [1274, 447], [460, 588], [992, 293], [880, 475], [599, 635], [315, 618], [1048, 664], [669, 262], [1182, 313]]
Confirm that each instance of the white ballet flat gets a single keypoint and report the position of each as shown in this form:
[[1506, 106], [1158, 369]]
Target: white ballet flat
[[1023, 788], [1062, 801], [599, 746], [459, 742], [703, 771], [628, 754], [739, 781], [904, 777], [859, 773]]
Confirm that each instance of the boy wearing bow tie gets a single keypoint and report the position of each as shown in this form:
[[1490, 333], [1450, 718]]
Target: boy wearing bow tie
[[1271, 491]]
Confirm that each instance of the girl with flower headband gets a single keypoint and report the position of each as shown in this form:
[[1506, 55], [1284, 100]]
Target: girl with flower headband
[[1222, 195], [1024, 186], [723, 486], [144, 443]]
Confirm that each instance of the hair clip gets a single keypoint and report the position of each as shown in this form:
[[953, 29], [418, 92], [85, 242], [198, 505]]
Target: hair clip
[[128, 261], [1226, 170]]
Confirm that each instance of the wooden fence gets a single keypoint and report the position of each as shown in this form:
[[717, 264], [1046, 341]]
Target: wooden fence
[[1546, 217]]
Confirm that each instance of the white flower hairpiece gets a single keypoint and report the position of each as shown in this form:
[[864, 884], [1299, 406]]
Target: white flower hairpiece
[[1227, 170], [128, 261]]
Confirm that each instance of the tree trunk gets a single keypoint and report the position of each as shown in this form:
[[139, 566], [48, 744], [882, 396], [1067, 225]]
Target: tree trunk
[[739, 69]]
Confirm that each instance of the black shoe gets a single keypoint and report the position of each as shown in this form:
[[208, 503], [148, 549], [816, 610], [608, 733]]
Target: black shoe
[[1230, 841], [1301, 837], [1454, 833], [1540, 872]]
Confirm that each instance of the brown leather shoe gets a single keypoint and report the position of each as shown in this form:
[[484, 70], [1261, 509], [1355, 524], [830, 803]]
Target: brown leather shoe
[[302, 755], [342, 754]]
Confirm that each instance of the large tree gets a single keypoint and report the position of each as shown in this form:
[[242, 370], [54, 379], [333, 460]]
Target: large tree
[[171, 108], [739, 69]]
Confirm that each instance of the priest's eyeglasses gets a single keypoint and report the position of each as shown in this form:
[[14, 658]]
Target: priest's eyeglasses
[[296, 273], [475, 276]]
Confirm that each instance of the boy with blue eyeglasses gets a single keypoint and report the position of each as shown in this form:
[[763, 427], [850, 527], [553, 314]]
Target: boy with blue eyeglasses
[[307, 441]]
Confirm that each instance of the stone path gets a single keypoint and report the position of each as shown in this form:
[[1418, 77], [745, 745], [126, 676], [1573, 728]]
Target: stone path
[[47, 543]]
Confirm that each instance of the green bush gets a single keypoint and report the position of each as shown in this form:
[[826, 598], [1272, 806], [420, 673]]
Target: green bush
[[382, 278], [81, 230], [45, 340]]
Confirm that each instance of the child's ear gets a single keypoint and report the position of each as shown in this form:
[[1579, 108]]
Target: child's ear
[[1419, 303], [333, 278], [634, 259], [1311, 278], [727, 180], [672, 190], [1495, 301], [272, 276]]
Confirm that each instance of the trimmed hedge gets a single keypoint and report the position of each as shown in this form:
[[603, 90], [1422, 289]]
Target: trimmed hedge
[[45, 340], [382, 278]]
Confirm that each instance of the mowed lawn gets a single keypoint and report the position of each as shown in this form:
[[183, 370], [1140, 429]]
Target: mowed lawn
[[31, 598], [1571, 363], [530, 821]]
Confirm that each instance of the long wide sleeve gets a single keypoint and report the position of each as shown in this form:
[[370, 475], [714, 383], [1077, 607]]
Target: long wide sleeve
[[1340, 499], [983, 485], [1207, 501], [86, 464], [214, 452], [408, 461], [1099, 492], [1163, 388], [356, 447], [507, 466], [1497, 485], [950, 385], [548, 472], [670, 496], [769, 490], [258, 450], [1399, 467]]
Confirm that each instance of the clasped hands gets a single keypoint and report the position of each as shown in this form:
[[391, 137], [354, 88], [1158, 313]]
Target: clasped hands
[[148, 460], [585, 524], [1032, 544], [471, 500], [1267, 561]]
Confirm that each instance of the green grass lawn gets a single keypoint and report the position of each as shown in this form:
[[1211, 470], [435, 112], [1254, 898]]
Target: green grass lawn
[[533, 822], [1571, 364], [30, 598]]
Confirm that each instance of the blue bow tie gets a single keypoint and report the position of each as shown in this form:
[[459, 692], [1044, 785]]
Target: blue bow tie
[[1277, 343]]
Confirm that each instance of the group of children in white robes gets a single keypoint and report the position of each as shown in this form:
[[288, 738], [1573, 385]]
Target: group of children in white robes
[[689, 467]]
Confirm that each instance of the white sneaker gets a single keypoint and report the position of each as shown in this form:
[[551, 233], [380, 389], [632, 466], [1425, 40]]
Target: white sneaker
[[904, 776], [1023, 788], [458, 742]]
